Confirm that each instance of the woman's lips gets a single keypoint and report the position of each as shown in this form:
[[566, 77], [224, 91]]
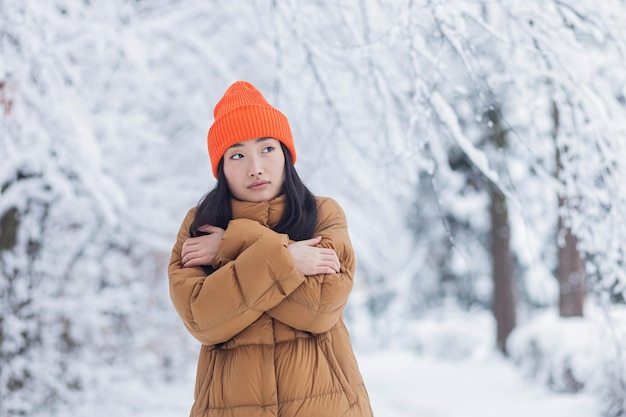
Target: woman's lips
[[258, 185]]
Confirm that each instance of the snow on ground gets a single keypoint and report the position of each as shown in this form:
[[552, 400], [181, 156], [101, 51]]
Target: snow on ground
[[400, 383], [450, 369]]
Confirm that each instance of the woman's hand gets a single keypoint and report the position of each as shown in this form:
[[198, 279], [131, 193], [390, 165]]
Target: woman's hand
[[201, 250], [311, 260]]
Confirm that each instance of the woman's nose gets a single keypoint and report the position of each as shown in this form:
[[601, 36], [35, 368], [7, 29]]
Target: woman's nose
[[255, 167]]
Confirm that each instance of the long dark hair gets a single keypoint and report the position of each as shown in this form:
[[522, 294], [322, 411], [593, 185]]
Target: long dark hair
[[299, 218]]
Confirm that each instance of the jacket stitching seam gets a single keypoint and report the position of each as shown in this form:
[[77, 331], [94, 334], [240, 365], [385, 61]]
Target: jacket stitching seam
[[340, 391]]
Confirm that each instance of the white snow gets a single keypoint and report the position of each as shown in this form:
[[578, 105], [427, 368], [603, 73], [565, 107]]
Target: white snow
[[400, 383], [104, 111]]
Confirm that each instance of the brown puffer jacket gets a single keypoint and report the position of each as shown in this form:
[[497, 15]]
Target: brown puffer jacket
[[274, 341]]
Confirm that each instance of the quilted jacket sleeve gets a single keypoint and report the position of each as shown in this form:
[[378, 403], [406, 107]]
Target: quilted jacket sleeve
[[316, 305], [216, 307]]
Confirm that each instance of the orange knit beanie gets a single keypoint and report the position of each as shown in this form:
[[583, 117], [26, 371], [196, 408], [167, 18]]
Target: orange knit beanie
[[243, 114]]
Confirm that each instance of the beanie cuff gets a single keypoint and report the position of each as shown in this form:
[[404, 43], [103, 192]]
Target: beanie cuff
[[244, 123]]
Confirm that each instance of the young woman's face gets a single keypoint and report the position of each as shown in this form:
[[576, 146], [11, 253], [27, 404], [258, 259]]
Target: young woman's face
[[255, 169]]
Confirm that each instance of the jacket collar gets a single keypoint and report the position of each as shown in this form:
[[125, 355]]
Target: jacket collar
[[268, 213]]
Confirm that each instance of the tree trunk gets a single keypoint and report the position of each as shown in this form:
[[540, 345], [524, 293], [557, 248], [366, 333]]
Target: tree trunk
[[6, 102], [8, 229], [571, 268], [503, 299], [502, 263], [571, 275]]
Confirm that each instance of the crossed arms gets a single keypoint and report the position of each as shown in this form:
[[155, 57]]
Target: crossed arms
[[257, 273]]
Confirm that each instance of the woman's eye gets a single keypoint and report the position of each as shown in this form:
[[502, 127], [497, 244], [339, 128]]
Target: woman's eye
[[268, 149], [236, 156]]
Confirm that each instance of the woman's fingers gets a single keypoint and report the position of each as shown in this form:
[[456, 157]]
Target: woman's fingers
[[311, 260], [314, 241], [330, 259], [201, 250]]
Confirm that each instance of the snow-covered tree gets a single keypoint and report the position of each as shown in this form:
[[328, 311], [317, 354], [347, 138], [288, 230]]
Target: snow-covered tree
[[104, 108], [86, 151]]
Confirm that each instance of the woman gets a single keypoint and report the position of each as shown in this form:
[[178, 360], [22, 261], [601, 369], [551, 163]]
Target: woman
[[260, 274]]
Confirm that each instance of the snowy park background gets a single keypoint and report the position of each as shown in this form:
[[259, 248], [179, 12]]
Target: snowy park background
[[428, 121]]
